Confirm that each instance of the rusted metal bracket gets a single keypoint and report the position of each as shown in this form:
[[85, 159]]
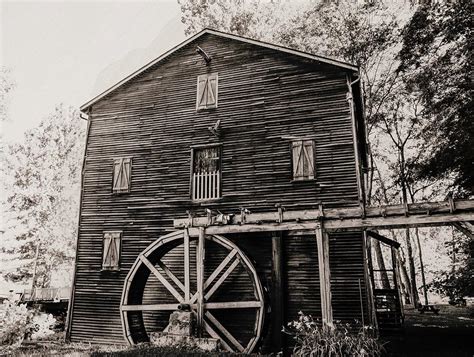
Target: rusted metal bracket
[[209, 216], [452, 204], [280, 209], [190, 218], [243, 213], [321, 212]]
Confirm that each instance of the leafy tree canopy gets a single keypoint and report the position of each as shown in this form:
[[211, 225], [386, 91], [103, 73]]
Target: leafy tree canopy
[[436, 60], [42, 185]]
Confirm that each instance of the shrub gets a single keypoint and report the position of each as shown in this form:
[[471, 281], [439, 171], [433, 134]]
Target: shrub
[[20, 323], [312, 339]]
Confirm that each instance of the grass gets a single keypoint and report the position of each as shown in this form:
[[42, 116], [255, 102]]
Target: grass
[[58, 348], [448, 334], [451, 333]]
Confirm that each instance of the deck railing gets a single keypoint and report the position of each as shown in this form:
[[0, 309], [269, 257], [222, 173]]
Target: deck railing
[[206, 185], [46, 294]]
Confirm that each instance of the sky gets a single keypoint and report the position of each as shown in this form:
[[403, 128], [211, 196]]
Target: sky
[[69, 51]]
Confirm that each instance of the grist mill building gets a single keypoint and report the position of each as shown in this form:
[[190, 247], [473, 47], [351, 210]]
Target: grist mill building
[[206, 174]]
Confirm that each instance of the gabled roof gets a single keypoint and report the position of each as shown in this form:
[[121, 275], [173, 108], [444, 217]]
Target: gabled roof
[[326, 60]]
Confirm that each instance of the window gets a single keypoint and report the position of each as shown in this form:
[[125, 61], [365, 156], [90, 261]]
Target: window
[[206, 91], [122, 171], [205, 178], [111, 251], [303, 159]]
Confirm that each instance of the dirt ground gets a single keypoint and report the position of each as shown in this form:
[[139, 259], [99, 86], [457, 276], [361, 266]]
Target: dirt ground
[[449, 334]]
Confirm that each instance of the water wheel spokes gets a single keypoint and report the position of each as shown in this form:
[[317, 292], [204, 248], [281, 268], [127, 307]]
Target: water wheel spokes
[[219, 269]]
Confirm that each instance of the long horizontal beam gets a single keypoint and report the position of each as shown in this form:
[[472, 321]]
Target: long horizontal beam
[[344, 218]]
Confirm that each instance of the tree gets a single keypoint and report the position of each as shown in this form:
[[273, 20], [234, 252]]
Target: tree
[[6, 86], [457, 282], [42, 185], [436, 60], [366, 35]]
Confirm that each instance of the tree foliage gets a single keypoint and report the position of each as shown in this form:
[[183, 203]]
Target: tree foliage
[[457, 282], [6, 86], [436, 60], [42, 185]]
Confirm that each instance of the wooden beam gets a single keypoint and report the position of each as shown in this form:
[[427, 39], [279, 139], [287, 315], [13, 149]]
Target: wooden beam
[[233, 305], [224, 276], [225, 332], [322, 240], [171, 275], [215, 335], [400, 221], [428, 209], [150, 307], [187, 286], [215, 273], [161, 278], [277, 294], [381, 222], [383, 239], [200, 280], [464, 228]]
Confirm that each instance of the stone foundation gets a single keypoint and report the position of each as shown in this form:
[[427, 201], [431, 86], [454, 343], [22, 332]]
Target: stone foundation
[[180, 332], [164, 339]]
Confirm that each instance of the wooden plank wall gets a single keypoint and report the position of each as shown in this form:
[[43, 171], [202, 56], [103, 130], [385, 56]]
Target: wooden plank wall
[[263, 95]]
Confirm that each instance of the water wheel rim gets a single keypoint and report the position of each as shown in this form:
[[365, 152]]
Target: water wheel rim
[[240, 257]]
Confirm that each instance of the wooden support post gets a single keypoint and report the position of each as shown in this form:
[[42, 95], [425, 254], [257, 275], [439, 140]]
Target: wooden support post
[[277, 296], [200, 280], [186, 267], [322, 239]]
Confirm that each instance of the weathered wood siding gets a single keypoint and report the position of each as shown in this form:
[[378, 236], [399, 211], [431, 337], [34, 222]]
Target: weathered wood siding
[[264, 95]]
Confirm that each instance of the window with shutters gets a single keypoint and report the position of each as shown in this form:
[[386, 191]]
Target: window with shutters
[[111, 250], [206, 173], [206, 91], [121, 177], [303, 159]]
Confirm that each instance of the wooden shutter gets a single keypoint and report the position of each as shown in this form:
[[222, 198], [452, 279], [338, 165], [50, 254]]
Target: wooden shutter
[[297, 160], [111, 250], [207, 91], [303, 159], [122, 171], [308, 150]]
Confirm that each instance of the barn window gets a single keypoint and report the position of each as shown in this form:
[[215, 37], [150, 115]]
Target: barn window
[[111, 250], [206, 173], [303, 159], [206, 91], [122, 171]]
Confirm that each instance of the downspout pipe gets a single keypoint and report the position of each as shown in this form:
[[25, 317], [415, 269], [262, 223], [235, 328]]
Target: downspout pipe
[[67, 337]]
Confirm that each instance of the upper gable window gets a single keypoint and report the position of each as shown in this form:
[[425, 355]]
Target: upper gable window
[[122, 171], [303, 159], [206, 91]]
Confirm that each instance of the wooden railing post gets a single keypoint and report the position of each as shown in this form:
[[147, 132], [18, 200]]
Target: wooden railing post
[[322, 240]]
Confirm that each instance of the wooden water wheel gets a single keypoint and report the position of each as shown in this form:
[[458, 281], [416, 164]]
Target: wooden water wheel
[[211, 274]]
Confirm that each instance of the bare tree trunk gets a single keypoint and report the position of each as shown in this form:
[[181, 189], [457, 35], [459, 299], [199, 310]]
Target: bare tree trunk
[[411, 262], [404, 275], [377, 248], [422, 268], [35, 267], [402, 267], [381, 264], [411, 266]]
